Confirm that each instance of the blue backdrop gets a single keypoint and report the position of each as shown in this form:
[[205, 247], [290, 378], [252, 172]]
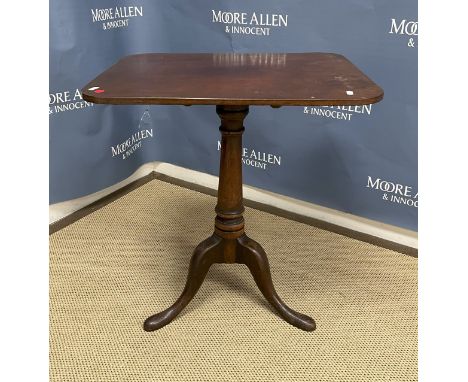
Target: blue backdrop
[[360, 160]]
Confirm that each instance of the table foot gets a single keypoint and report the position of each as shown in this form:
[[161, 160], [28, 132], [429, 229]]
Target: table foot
[[246, 251], [253, 255], [205, 254]]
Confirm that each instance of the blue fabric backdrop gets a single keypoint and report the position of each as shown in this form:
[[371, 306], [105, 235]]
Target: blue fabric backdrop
[[361, 160]]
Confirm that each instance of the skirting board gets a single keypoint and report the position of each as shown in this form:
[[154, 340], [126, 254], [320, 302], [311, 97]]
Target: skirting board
[[59, 211], [388, 236]]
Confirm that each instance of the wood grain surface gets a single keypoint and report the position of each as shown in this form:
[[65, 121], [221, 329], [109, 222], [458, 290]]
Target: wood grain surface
[[275, 79]]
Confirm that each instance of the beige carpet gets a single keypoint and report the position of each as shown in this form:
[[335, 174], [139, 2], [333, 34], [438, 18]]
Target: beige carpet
[[113, 268]]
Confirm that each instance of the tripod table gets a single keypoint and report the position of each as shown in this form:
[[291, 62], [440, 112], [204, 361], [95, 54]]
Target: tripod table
[[232, 82]]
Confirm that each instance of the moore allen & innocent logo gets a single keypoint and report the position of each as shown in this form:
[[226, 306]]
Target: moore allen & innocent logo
[[258, 159], [66, 100], [115, 17], [135, 141], [394, 192], [337, 112], [255, 23], [405, 27]]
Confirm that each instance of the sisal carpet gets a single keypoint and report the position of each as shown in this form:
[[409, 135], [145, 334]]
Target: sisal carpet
[[128, 260]]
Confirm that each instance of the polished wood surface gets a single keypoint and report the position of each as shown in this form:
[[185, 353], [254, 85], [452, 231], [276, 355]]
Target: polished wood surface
[[275, 79]]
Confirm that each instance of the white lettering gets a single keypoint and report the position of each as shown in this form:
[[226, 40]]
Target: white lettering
[[409, 28], [372, 185]]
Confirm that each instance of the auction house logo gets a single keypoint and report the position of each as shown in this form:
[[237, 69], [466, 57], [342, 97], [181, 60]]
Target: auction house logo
[[394, 192], [405, 27], [115, 17], [257, 24], [135, 141], [337, 112], [66, 101], [258, 159]]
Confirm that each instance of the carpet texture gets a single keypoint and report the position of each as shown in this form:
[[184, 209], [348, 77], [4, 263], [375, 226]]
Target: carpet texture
[[115, 267]]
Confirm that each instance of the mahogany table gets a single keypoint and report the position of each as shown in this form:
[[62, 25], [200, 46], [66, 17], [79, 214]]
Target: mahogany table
[[232, 82]]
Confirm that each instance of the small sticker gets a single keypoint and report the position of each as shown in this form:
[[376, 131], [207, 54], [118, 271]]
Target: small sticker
[[349, 92], [99, 91], [94, 88]]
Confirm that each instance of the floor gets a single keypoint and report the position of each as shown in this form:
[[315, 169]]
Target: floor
[[128, 260]]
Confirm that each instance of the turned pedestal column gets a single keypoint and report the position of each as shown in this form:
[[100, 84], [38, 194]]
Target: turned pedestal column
[[229, 243]]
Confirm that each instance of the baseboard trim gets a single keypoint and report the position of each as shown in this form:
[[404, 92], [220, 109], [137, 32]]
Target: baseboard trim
[[275, 210], [58, 211], [407, 250], [99, 203]]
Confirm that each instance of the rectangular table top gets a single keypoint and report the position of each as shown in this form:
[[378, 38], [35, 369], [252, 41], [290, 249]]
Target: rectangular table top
[[275, 79]]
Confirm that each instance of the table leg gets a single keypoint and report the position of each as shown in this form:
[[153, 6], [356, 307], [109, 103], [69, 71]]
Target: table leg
[[229, 243]]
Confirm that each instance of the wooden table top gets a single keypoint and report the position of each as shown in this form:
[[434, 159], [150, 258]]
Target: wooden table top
[[275, 79]]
